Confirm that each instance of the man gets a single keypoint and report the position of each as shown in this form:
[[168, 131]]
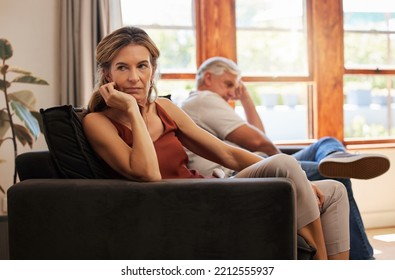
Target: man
[[218, 81]]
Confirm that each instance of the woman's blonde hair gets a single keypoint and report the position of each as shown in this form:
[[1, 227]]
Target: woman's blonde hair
[[108, 48]]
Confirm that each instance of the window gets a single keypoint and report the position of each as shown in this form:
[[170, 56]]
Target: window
[[369, 106], [178, 89], [330, 70], [272, 42], [369, 34], [173, 30], [277, 104], [369, 58]]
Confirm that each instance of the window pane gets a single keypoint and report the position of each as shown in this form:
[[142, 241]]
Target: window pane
[[278, 104], [367, 51], [369, 106], [177, 89], [172, 29], [369, 33], [271, 40]]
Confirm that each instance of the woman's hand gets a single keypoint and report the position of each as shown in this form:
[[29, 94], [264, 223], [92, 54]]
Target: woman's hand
[[319, 194], [117, 99]]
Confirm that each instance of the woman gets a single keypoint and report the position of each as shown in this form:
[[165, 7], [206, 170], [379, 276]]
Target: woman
[[142, 138]]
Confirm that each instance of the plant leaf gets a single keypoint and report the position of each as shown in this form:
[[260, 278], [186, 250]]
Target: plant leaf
[[4, 85], [23, 135], [19, 71], [25, 97], [29, 79], [26, 117], [39, 118], [5, 49], [4, 123]]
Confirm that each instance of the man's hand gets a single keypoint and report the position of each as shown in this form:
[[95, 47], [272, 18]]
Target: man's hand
[[241, 92]]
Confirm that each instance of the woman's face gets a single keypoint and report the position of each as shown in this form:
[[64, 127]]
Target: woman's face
[[131, 71]]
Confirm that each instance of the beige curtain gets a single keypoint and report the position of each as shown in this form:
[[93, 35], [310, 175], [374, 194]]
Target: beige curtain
[[83, 25]]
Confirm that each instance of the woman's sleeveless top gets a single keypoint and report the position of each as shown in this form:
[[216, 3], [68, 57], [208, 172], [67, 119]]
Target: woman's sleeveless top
[[171, 155]]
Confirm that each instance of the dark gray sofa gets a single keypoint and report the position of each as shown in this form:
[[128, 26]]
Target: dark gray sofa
[[51, 218], [67, 205]]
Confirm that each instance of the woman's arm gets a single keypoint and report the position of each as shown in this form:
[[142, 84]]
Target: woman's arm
[[139, 162], [205, 144]]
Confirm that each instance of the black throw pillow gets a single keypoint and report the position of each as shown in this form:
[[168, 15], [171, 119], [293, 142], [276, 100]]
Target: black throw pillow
[[70, 150]]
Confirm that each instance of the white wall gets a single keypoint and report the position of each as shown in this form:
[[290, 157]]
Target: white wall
[[376, 197], [32, 27]]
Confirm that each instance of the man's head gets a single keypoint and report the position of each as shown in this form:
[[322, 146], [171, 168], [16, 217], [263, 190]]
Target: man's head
[[219, 75]]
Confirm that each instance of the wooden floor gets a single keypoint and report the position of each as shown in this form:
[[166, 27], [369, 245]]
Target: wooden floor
[[383, 242]]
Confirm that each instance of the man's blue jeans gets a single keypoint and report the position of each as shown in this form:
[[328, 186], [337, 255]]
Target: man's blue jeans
[[309, 157]]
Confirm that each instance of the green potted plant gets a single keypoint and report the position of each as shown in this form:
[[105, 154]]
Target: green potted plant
[[19, 104]]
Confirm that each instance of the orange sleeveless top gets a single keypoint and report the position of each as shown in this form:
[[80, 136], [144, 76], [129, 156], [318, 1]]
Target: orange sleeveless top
[[171, 155]]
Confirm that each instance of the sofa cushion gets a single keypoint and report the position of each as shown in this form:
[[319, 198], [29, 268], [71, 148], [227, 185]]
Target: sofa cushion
[[72, 155]]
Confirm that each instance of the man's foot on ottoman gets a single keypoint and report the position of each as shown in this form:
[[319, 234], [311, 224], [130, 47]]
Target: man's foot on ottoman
[[358, 166]]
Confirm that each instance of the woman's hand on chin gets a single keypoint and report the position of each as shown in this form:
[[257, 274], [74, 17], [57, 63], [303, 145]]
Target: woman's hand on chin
[[117, 99]]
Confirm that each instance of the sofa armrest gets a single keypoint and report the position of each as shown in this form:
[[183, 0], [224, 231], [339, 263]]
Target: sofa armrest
[[172, 219], [290, 150], [35, 164]]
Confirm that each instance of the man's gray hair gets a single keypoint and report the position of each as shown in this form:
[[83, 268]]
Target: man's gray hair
[[217, 66]]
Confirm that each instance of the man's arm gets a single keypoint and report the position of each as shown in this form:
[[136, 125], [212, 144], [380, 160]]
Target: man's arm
[[249, 107], [251, 138]]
